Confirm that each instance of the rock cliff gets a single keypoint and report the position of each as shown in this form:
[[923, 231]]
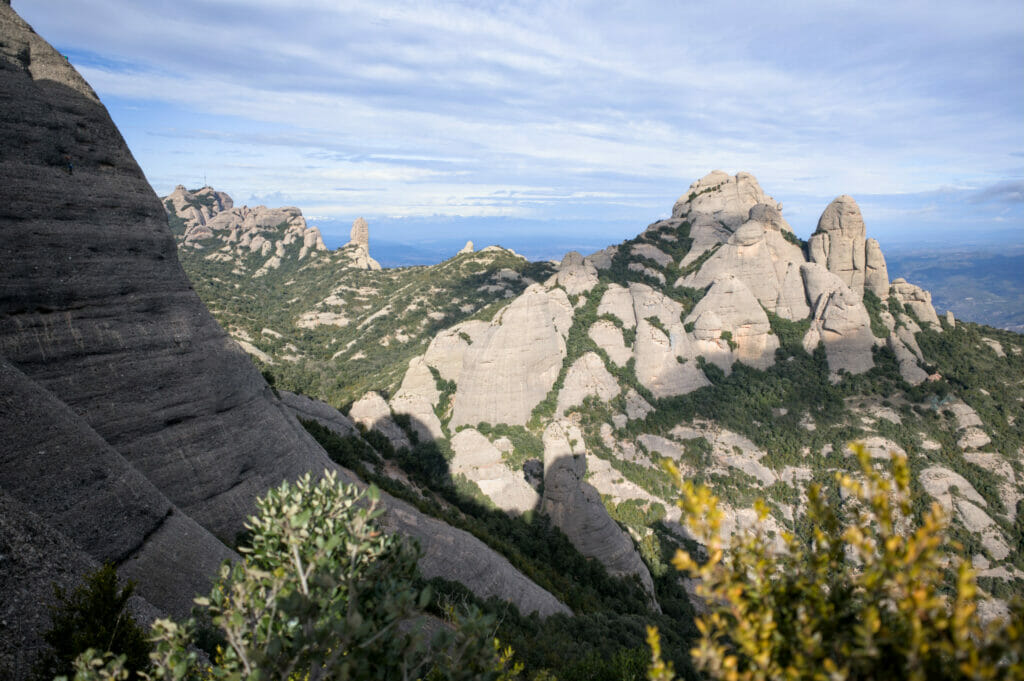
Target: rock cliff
[[135, 430]]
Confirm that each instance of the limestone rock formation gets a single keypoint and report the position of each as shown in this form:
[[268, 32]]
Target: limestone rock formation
[[587, 376], [417, 398], [446, 351], [133, 427], [357, 250], [911, 372], [839, 320], [730, 308], [512, 366], [480, 461], [609, 338], [468, 248], [758, 255], [917, 299], [840, 245], [575, 506], [575, 274], [372, 412]]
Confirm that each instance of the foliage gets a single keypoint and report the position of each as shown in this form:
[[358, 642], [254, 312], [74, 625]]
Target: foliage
[[322, 593], [862, 596], [874, 307], [93, 615]]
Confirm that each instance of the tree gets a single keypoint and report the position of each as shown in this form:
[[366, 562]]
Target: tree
[[321, 593], [94, 615], [863, 595]]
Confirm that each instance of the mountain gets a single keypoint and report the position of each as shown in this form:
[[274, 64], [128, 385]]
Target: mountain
[[134, 429], [716, 338]]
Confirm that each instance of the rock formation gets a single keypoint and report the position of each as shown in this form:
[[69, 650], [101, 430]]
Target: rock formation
[[576, 275], [417, 398], [586, 377], [468, 248], [839, 244], [481, 462], [839, 321], [730, 308], [134, 428], [917, 300], [575, 506], [371, 412], [512, 366]]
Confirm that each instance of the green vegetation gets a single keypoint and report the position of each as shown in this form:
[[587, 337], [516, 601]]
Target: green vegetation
[[94, 615], [854, 597]]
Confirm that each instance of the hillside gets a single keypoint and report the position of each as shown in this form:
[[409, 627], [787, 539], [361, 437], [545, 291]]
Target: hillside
[[309, 315], [718, 339]]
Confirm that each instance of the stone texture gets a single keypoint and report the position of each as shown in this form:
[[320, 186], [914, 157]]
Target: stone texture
[[726, 199], [576, 275], [636, 406], [917, 299], [730, 307], [839, 320], [133, 427], [907, 360], [839, 243], [417, 397], [876, 276], [309, 409], [609, 338], [618, 302], [515, 362], [359, 235], [758, 255], [587, 376], [373, 413], [480, 461], [448, 348], [575, 507]]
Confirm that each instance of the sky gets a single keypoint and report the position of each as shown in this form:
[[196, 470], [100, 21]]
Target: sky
[[551, 125]]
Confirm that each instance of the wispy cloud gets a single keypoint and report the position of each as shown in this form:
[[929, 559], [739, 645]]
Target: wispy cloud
[[575, 109]]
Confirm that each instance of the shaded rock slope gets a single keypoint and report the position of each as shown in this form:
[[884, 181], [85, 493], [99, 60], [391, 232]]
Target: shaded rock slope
[[134, 429]]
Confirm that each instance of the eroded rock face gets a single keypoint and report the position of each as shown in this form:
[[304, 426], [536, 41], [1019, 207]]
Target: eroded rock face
[[609, 338], [840, 245], [576, 275], [758, 255], [730, 308], [575, 506], [917, 299], [373, 413], [510, 368], [417, 397], [480, 461], [359, 235], [839, 320], [587, 376], [109, 351], [726, 199]]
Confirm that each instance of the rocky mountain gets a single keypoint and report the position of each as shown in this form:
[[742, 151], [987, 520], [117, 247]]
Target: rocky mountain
[[514, 413], [719, 339], [310, 315], [134, 429]]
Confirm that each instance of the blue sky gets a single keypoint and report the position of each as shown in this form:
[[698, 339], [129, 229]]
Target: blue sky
[[592, 118]]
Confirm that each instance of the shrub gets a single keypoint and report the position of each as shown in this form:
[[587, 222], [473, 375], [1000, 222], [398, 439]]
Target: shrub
[[321, 593], [94, 615], [864, 596]]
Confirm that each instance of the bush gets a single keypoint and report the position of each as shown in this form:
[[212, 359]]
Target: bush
[[864, 596], [94, 615], [321, 593]]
